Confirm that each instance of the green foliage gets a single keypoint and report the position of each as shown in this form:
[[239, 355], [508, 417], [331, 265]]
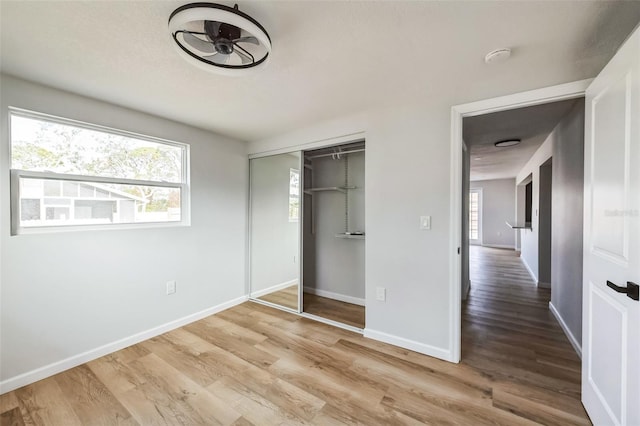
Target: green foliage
[[65, 149]]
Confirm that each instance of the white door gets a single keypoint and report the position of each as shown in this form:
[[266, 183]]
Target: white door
[[611, 320]]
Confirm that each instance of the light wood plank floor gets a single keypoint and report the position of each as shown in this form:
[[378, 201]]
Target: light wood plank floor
[[346, 313], [287, 297], [252, 364]]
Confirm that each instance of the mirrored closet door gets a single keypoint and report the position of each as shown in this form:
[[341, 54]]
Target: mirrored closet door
[[275, 229]]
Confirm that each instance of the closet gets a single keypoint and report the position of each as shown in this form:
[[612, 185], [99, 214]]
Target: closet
[[307, 232], [333, 233]]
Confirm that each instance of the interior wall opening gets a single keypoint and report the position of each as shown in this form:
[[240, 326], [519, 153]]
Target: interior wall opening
[[509, 278]]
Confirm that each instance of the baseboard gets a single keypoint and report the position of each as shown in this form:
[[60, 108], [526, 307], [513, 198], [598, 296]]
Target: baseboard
[[567, 332], [73, 361], [466, 289], [412, 345], [526, 265], [500, 246], [273, 288], [335, 296]]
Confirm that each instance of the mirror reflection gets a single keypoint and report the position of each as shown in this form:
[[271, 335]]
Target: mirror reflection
[[275, 229]]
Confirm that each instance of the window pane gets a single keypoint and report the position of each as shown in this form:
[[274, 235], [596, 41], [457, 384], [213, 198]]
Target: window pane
[[51, 188], [473, 216], [70, 189], [29, 209], [294, 195], [39, 145], [113, 203]]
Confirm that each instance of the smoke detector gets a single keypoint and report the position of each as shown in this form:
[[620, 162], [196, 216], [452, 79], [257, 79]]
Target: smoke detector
[[498, 55]]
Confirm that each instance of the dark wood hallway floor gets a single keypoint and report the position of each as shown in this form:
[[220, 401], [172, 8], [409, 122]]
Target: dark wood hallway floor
[[510, 334]]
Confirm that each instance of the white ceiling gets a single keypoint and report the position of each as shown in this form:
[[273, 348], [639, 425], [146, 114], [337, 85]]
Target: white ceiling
[[329, 58], [531, 125]]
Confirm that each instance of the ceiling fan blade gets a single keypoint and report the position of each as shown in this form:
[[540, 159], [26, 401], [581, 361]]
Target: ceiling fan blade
[[249, 39], [217, 58], [197, 43], [246, 59]]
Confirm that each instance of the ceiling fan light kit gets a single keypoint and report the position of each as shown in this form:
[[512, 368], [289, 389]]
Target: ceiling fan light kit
[[219, 38]]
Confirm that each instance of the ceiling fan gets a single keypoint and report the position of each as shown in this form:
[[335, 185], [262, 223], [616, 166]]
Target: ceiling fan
[[219, 38]]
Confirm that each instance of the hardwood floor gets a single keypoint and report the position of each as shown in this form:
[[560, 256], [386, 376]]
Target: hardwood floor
[[346, 313], [510, 334], [287, 297], [252, 364]]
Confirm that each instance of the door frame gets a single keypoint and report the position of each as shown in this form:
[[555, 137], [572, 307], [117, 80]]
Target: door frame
[[544, 95]]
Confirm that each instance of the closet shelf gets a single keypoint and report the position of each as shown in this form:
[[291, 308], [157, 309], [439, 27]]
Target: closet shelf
[[342, 189], [351, 236]]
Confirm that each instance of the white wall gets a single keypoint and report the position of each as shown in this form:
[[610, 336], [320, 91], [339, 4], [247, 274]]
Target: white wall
[[66, 293], [407, 175], [498, 208], [529, 237], [339, 263], [274, 239]]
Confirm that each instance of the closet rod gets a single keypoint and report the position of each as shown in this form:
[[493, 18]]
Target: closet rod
[[336, 153]]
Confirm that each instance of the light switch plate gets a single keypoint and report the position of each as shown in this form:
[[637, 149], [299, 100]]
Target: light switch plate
[[381, 294], [171, 287], [425, 222]]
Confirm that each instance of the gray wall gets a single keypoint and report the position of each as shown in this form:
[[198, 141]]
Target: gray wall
[[274, 239], [568, 182], [407, 175], [498, 208], [464, 237], [339, 263], [544, 223], [66, 293], [529, 237]]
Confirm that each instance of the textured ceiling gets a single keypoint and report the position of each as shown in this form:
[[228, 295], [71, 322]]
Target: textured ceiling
[[329, 58], [532, 125]]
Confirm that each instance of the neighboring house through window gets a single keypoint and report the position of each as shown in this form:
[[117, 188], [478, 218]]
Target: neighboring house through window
[[67, 174]]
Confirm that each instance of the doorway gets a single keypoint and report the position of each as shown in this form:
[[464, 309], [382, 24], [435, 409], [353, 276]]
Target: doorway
[[536, 97]]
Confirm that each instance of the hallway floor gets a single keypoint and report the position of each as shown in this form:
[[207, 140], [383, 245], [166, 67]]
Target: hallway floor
[[510, 335]]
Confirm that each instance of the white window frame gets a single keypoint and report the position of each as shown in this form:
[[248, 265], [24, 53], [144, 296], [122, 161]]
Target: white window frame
[[16, 175]]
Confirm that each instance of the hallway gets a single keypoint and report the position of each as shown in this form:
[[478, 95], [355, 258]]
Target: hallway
[[510, 335]]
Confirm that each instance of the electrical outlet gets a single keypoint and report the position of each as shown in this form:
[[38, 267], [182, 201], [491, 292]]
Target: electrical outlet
[[381, 294], [171, 287]]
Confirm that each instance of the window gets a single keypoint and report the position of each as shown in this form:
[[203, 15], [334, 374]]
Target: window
[[294, 195], [69, 174], [474, 215]]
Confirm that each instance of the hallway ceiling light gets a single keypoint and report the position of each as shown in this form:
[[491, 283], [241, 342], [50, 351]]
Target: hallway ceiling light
[[507, 142], [219, 38]]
